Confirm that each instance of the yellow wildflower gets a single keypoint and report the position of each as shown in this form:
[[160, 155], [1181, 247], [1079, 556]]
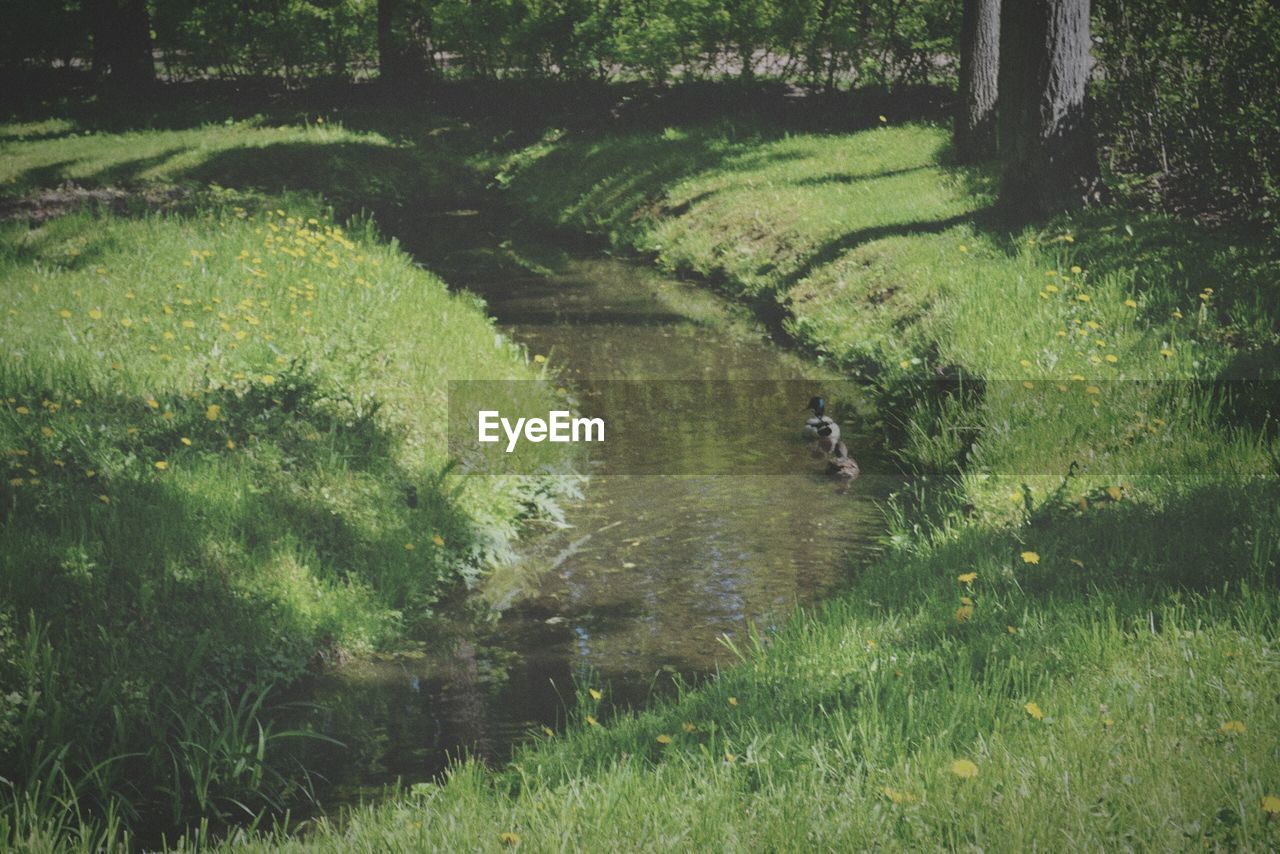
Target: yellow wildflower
[[213, 412], [733, 701], [1030, 557], [509, 838], [1271, 804], [967, 577], [964, 769], [1033, 709], [964, 613], [664, 739], [408, 547], [595, 695], [591, 721], [1232, 728], [161, 465], [438, 540]]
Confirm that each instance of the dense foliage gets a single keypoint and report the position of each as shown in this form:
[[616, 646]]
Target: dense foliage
[[1187, 96], [1184, 94]]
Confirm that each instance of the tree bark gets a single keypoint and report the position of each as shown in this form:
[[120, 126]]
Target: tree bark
[[1046, 143], [122, 42], [388, 57], [975, 133]]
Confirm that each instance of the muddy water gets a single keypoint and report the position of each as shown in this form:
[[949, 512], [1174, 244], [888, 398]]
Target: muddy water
[[650, 573]]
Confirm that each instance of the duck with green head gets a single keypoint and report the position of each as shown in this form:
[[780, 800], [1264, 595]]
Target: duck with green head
[[821, 428]]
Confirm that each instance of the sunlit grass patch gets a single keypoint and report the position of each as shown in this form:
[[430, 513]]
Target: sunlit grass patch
[[224, 453]]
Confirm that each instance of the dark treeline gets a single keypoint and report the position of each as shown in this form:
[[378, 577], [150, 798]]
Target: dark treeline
[[1182, 95]]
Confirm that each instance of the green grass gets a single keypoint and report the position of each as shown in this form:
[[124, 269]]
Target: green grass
[[210, 428], [1130, 598]]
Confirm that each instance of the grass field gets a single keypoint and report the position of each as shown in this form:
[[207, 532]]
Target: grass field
[[1048, 655], [224, 442]]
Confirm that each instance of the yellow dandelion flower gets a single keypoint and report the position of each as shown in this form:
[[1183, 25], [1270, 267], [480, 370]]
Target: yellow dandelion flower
[[231, 445], [1075, 268], [663, 739], [1131, 303], [729, 758], [964, 769], [126, 322], [591, 721], [1051, 289], [964, 248], [905, 363], [964, 613], [1112, 358], [1077, 561], [1166, 352], [213, 412], [895, 796], [185, 441], [1030, 557], [539, 358], [1033, 709], [1082, 297], [1013, 630], [47, 432], [188, 324], [595, 694], [966, 600], [161, 465], [733, 701], [64, 314], [883, 119], [22, 410], [1093, 389], [689, 727], [95, 314], [967, 577], [438, 540], [1232, 728], [268, 379], [1115, 493], [105, 499], [1271, 805], [506, 837], [548, 731], [408, 547]]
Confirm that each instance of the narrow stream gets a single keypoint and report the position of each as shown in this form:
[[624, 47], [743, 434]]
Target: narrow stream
[[651, 572]]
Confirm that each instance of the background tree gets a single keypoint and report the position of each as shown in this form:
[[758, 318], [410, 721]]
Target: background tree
[[122, 42], [975, 132], [1046, 144]]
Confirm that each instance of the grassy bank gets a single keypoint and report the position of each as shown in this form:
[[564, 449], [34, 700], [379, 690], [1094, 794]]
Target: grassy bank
[[223, 434], [1047, 655]]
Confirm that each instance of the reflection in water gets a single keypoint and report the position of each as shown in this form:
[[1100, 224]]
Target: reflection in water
[[652, 570]]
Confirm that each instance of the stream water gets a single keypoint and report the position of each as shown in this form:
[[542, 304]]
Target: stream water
[[651, 571]]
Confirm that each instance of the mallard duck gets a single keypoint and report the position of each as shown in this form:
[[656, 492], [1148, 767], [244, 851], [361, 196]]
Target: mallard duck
[[821, 428], [843, 467]]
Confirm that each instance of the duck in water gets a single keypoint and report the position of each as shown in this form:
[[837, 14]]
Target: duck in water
[[821, 428], [843, 467]]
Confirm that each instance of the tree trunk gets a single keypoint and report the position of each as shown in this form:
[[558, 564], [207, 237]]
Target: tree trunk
[[975, 134], [1046, 143], [388, 58], [122, 42]]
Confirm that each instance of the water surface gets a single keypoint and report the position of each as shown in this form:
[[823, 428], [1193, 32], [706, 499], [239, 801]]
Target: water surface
[[650, 572]]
